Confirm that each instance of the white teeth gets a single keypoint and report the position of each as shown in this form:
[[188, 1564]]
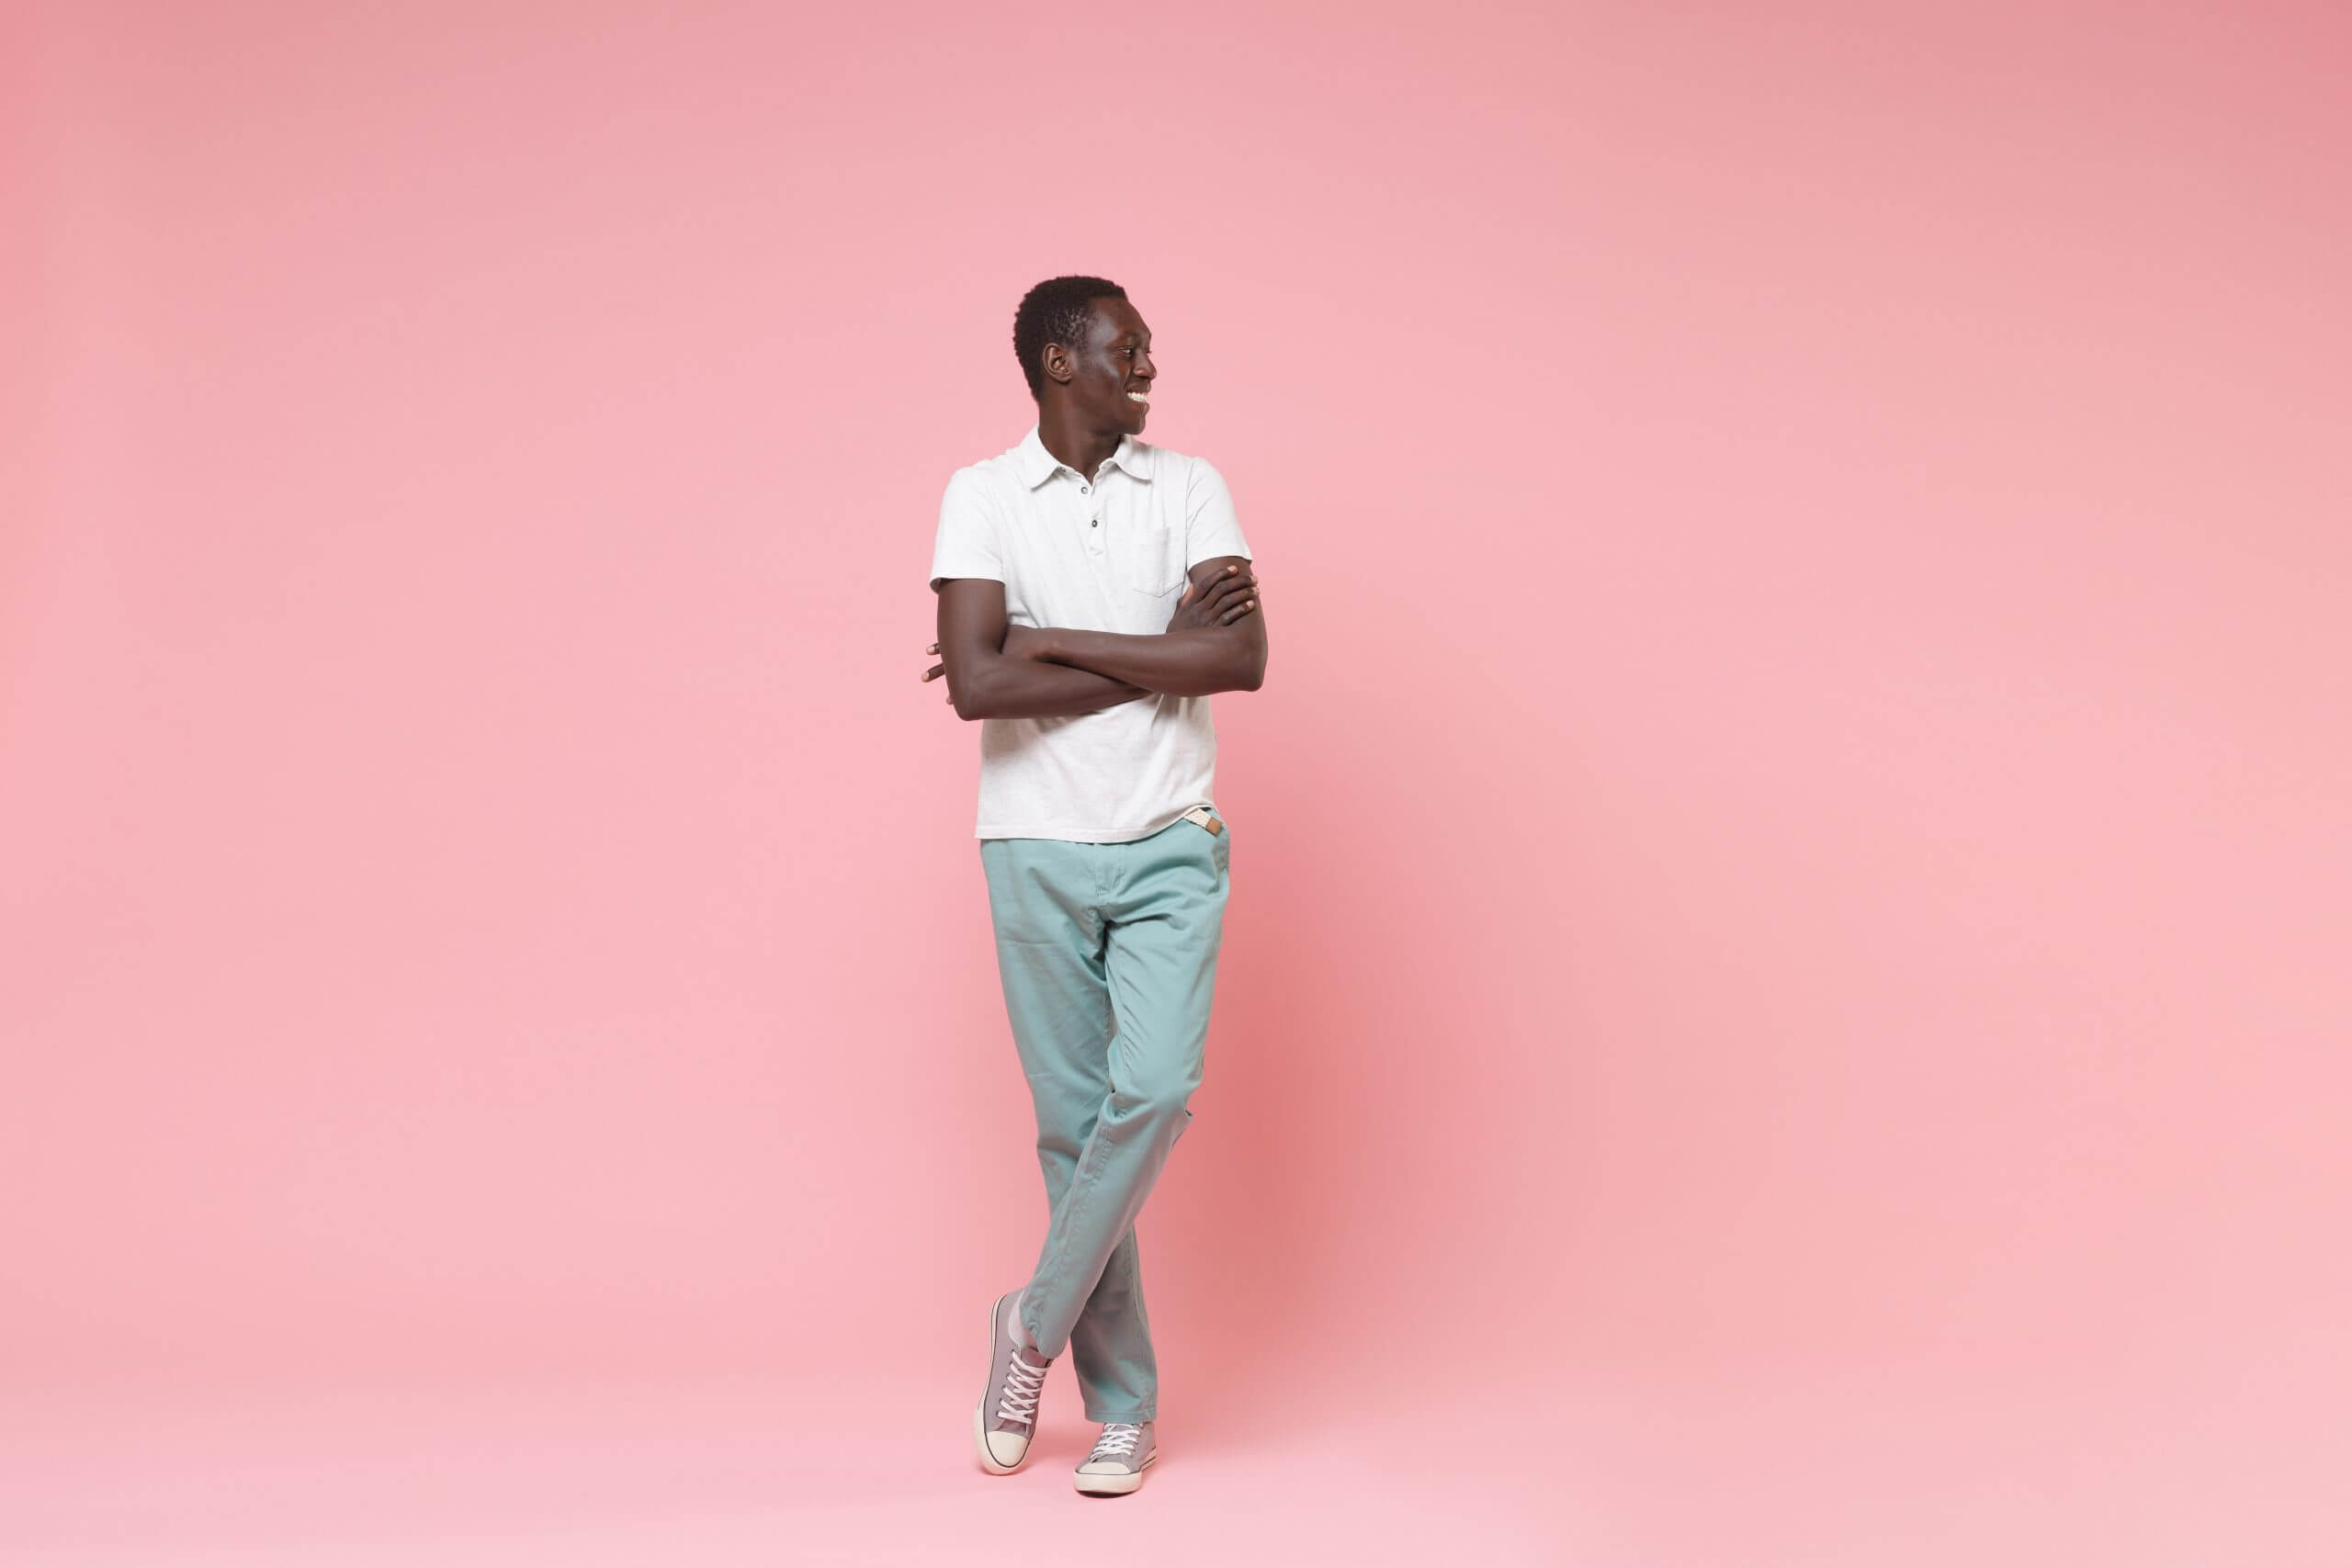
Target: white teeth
[[1139, 397]]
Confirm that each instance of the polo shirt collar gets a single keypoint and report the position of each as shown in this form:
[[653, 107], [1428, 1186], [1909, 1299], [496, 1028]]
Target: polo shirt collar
[[1037, 464]]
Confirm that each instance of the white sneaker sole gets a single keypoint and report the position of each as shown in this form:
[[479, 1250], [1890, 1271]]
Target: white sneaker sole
[[1101, 1485]]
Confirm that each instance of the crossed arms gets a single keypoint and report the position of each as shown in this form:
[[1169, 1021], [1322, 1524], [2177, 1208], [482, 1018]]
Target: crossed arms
[[1214, 642]]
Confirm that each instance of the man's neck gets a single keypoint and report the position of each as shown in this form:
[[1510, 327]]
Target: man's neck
[[1073, 443]]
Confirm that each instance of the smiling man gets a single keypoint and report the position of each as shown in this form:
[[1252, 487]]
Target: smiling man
[[1093, 591]]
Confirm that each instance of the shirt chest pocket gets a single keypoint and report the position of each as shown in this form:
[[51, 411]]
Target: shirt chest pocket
[[1154, 560]]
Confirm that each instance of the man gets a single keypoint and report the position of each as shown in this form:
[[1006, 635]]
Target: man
[[1093, 592]]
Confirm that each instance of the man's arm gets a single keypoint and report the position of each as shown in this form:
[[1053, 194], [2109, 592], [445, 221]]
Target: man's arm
[[1185, 662], [984, 682]]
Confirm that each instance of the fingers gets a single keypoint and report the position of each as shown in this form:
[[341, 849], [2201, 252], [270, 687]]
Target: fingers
[[1226, 589], [1237, 597], [1228, 594], [1209, 590]]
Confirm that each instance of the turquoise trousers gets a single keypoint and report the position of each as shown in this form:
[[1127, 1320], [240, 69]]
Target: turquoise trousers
[[1108, 953]]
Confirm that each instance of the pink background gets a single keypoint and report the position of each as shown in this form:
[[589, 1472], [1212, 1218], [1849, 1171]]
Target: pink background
[[1785, 993]]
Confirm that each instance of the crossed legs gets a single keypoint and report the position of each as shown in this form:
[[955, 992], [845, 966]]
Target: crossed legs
[[1108, 956]]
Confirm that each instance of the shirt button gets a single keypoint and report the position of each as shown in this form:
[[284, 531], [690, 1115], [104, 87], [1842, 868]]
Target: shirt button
[[1083, 489], [1096, 524]]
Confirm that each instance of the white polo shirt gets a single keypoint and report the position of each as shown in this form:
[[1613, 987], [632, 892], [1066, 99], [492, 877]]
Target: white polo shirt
[[1103, 552]]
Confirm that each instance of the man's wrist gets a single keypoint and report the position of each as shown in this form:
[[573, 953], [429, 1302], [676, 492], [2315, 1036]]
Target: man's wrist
[[1031, 643]]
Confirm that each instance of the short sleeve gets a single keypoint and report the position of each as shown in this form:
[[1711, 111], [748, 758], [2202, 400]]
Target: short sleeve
[[966, 542], [1210, 527]]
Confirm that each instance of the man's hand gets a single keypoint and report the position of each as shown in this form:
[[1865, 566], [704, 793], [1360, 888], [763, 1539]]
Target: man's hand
[[1231, 595], [1019, 642]]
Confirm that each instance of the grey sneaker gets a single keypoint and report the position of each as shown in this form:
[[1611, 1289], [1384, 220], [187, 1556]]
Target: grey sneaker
[[1120, 1453], [1006, 1418]]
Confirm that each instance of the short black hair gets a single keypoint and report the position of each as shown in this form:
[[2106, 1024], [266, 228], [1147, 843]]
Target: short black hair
[[1057, 310]]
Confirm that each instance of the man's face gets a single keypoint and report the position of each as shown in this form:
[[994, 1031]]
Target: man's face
[[1111, 373]]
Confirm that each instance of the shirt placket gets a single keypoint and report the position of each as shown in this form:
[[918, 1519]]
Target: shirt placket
[[1090, 497]]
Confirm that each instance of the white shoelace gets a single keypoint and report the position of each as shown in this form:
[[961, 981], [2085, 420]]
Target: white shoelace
[[1117, 1441], [1021, 1386]]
